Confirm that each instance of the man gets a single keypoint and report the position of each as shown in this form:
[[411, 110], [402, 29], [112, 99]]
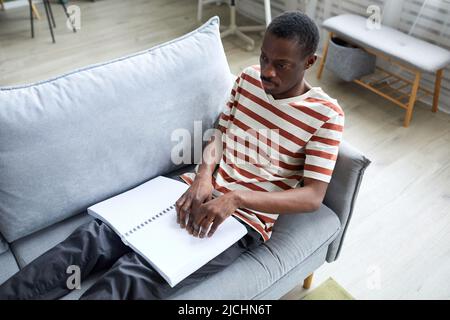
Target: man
[[294, 128]]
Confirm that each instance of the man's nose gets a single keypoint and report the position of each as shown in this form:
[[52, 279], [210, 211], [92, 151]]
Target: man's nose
[[268, 72]]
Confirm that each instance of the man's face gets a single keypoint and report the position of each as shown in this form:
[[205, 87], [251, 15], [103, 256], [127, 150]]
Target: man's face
[[283, 66]]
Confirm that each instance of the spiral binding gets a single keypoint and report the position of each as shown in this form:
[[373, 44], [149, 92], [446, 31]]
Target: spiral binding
[[149, 220]]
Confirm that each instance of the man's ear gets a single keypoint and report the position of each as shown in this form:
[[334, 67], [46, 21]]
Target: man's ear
[[310, 61]]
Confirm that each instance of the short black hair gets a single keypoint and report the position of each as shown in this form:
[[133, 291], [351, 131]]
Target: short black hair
[[295, 25]]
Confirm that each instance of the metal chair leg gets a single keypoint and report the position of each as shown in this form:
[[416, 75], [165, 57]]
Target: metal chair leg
[[51, 13], [47, 12], [31, 18]]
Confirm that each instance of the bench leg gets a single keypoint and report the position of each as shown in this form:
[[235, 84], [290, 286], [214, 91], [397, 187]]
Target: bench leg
[[437, 89], [308, 281], [324, 55], [412, 100]]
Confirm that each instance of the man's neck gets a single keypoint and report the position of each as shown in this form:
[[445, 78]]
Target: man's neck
[[296, 91]]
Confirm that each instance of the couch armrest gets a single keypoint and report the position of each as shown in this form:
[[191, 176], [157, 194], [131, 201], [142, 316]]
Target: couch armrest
[[343, 191]]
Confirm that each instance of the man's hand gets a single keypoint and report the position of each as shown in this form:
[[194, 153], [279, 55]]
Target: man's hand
[[212, 212], [199, 192]]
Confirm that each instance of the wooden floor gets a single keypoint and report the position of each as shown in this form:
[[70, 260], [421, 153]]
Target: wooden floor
[[398, 243]]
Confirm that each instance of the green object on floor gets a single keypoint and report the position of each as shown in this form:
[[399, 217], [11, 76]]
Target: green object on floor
[[329, 290]]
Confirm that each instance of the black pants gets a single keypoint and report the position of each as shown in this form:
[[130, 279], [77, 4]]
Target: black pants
[[94, 247]]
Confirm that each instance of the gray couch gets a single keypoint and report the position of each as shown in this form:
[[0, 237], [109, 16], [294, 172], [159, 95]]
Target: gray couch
[[74, 140]]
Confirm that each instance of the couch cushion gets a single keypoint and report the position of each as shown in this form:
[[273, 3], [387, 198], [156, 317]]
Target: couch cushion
[[72, 141], [30, 247], [8, 266], [295, 238]]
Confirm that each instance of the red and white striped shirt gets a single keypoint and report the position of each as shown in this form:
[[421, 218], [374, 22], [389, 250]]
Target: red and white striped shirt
[[271, 145]]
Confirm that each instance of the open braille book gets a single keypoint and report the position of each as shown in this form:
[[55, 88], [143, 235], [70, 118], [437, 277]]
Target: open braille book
[[145, 219]]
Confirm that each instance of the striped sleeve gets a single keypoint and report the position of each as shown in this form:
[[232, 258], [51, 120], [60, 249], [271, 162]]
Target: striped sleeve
[[322, 150], [225, 116]]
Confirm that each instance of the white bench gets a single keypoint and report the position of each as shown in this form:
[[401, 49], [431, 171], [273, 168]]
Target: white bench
[[409, 53]]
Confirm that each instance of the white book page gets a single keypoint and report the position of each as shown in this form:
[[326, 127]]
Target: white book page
[[127, 210], [174, 252]]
